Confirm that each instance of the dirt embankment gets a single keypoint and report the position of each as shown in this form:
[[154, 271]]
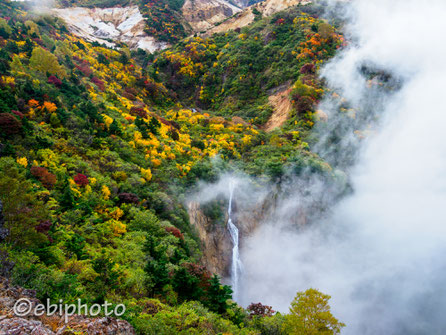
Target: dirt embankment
[[282, 108]]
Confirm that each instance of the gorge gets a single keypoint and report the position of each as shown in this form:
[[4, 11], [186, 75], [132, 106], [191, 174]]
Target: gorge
[[224, 167]]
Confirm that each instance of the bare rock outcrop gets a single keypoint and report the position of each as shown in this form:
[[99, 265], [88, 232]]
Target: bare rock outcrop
[[245, 17], [55, 324], [204, 14], [216, 243], [110, 25], [215, 240]]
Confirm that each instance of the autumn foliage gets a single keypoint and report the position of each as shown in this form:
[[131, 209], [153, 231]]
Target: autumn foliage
[[175, 232], [44, 176], [258, 309], [9, 125], [81, 179]]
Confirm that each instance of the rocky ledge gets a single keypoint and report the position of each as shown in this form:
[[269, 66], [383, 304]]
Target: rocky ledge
[[10, 324]]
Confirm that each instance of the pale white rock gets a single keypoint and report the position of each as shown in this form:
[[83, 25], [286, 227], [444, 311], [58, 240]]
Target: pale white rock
[[204, 14], [246, 17], [110, 25]]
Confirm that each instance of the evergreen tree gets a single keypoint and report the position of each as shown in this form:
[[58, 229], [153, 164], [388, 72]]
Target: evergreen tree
[[218, 295], [186, 285], [154, 125], [67, 200]]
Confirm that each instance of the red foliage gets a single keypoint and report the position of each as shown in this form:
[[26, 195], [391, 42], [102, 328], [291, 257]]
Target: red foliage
[[175, 232], [99, 83], [81, 179], [166, 122], [44, 176], [17, 113], [55, 81], [200, 272], [308, 68], [9, 125], [280, 21], [260, 310], [310, 80], [128, 96], [128, 198], [131, 91], [138, 111], [44, 227], [85, 69], [39, 42], [304, 104], [150, 86]]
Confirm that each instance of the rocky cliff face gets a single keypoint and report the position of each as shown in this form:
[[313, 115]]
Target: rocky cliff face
[[126, 24], [204, 14], [216, 243], [110, 25], [51, 325], [245, 17]]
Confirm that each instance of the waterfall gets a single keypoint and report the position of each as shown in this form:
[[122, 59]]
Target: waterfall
[[236, 265]]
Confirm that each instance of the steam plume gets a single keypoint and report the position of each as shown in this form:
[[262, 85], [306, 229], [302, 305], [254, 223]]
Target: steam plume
[[380, 253]]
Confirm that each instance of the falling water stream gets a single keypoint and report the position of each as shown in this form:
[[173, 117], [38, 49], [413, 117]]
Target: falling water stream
[[236, 265]]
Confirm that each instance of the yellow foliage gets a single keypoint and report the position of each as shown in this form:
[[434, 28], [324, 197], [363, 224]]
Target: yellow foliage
[[117, 213], [156, 162], [8, 80], [44, 61], [246, 139], [33, 28], [22, 161], [147, 174], [105, 192], [49, 158], [216, 127], [49, 106], [87, 189], [73, 187], [108, 120], [117, 227]]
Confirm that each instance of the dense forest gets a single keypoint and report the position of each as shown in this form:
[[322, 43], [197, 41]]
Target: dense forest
[[99, 148]]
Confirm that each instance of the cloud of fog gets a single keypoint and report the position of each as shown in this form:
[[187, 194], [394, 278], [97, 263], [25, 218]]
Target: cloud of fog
[[248, 191], [379, 254], [41, 6]]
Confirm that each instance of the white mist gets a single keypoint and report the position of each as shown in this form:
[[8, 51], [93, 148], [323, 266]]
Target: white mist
[[380, 253]]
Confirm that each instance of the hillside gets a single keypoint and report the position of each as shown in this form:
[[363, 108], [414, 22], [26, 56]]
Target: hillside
[[155, 24], [254, 12], [165, 21], [235, 73], [100, 148]]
